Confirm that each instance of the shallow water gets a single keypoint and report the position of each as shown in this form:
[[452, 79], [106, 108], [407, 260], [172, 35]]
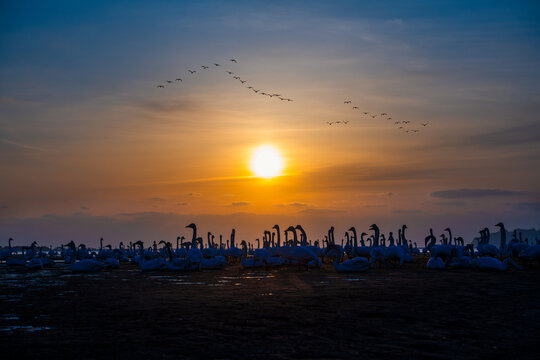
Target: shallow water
[[25, 328], [9, 317]]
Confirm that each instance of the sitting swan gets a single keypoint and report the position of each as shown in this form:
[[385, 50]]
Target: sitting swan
[[493, 264], [358, 264], [84, 265], [149, 265], [435, 263]]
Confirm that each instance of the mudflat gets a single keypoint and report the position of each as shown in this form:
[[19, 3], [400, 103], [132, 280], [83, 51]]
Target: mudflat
[[287, 313]]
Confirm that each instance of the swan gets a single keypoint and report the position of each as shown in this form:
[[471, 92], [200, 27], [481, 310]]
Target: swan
[[484, 247], [233, 253], [435, 263], [174, 264], [249, 263], [532, 252], [299, 254], [362, 250], [84, 265], [157, 263], [194, 254], [358, 264], [6, 253], [493, 264], [443, 251], [502, 247]]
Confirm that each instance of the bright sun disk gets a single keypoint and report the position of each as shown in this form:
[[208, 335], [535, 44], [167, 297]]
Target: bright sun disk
[[266, 162]]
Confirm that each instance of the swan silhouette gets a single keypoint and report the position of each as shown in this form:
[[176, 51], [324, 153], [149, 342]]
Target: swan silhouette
[[84, 265], [157, 263], [358, 264]]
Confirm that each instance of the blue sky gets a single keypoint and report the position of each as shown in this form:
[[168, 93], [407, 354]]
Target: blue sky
[[81, 122]]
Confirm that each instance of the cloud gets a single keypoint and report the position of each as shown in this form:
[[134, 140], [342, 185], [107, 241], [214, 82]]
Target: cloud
[[472, 193], [157, 199], [405, 211], [182, 204], [84, 208], [375, 206], [21, 145], [451, 203], [321, 212], [240, 203], [193, 194], [293, 204]]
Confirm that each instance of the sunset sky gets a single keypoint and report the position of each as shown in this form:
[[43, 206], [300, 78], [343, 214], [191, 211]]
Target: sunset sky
[[90, 147]]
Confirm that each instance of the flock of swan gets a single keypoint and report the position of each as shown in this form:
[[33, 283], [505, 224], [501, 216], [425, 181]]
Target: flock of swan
[[352, 255], [234, 76], [403, 125]]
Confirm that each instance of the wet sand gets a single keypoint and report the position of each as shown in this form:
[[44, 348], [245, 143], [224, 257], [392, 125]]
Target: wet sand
[[407, 313]]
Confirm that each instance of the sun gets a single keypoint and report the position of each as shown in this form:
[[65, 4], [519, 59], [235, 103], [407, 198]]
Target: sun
[[266, 162]]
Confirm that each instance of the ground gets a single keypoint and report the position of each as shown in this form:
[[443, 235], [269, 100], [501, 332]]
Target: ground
[[407, 313]]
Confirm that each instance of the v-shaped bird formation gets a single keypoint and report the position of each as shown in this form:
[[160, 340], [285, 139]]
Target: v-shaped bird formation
[[251, 87], [402, 125]]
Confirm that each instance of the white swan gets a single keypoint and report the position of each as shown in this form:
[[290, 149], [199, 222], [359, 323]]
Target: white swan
[[493, 264], [6, 253], [157, 263], [435, 263], [358, 264]]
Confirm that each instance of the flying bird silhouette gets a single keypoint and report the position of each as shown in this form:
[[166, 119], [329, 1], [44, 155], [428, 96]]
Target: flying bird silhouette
[[233, 60], [355, 107], [217, 65], [230, 72], [205, 67], [178, 79], [160, 86], [192, 71], [424, 124], [347, 102], [169, 81]]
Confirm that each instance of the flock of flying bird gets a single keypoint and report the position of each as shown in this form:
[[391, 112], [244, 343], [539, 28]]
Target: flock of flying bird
[[353, 254], [234, 76], [403, 125]]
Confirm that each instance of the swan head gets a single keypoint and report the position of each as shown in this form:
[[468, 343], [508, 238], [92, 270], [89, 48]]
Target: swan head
[[162, 242], [291, 228], [404, 226], [373, 227], [192, 225], [352, 229], [501, 225], [71, 244]]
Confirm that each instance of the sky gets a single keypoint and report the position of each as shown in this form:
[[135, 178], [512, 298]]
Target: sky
[[90, 147]]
